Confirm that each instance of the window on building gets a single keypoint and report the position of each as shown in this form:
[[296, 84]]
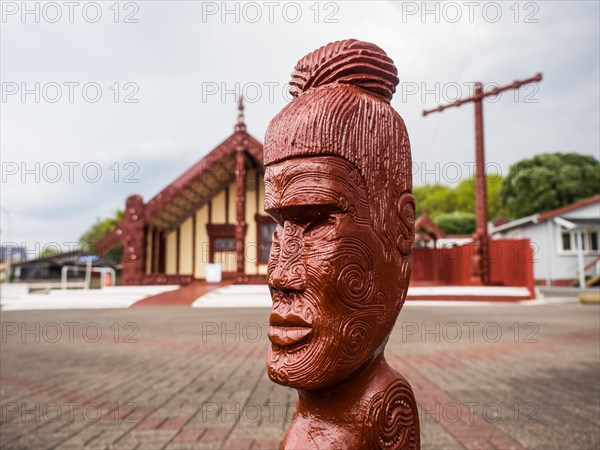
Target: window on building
[[224, 245], [222, 240], [566, 241], [266, 226], [589, 241], [594, 241]]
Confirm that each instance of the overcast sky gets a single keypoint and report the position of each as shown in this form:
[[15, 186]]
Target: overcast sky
[[100, 102]]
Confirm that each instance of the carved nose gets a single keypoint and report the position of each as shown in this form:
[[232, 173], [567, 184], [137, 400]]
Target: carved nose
[[287, 277], [287, 271]]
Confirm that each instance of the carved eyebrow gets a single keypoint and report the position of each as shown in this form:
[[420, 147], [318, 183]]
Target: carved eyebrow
[[303, 213]]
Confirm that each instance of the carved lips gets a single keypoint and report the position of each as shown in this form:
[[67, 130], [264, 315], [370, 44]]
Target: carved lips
[[288, 329]]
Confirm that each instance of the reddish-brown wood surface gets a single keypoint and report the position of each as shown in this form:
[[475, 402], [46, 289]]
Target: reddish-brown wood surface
[[338, 183]]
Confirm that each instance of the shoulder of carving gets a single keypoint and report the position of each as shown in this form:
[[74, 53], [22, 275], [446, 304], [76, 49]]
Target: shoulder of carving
[[392, 420]]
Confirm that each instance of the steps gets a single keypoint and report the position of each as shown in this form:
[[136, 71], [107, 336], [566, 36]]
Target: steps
[[110, 297], [253, 296], [594, 281]]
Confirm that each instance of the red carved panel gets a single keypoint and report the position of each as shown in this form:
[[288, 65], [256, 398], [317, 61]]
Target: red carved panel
[[133, 238]]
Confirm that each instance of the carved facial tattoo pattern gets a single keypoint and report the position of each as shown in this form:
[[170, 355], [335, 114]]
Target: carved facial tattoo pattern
[[327, 273]]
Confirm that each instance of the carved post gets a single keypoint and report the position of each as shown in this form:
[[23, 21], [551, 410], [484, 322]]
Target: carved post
[[240, 208], [338, 183], [481, 264], [240, 190], [134, 245]]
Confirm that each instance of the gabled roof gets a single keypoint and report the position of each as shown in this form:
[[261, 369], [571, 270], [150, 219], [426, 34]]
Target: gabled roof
[[197, 185], [201, 182], [426, 223], [205, 179], [568, 208], [541, 217]]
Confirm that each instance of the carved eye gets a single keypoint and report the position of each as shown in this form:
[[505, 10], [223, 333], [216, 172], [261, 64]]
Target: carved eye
[[278, 229], [320, 227], [275, 246]]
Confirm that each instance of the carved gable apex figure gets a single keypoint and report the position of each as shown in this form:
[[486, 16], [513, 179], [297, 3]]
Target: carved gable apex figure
[[338, 183]]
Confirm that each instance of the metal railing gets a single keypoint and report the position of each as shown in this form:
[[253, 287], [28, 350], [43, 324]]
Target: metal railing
[[104, 271]]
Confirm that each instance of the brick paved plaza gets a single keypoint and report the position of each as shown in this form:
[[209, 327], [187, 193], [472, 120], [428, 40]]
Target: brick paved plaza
[[506, 376]]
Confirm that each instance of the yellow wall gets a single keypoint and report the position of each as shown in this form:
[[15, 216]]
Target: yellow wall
[[171, 244], [185, 247], [262, 268], [218, 208], [202, 242], [232, 218], [261, 194], [250, 250], [149, 243], [227, 259]]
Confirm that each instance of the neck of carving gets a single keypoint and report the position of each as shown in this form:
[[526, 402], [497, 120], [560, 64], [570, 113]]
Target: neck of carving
[[327, 404]]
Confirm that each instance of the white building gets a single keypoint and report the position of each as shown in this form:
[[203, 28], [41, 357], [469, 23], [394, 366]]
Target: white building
[[565, 241]]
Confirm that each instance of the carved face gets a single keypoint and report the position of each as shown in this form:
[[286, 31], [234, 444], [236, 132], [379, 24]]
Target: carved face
[[335, 289]]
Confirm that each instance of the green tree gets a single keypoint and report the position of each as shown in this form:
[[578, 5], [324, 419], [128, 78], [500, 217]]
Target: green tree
[[442, 199], [436, 198], [457, 222], [47, 251], [549, 181], [465, 196], [99, 229]]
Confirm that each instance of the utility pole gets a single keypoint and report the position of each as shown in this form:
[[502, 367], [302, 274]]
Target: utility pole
[[481, 264]]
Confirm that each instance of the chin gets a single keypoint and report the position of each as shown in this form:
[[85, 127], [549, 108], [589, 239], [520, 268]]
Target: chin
[[308, 367]]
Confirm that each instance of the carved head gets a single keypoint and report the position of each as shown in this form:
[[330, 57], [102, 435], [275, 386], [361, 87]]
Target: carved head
[[338, 182]]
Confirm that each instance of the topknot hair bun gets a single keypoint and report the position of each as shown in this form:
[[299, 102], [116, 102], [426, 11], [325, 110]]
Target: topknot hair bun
[[353, 62]]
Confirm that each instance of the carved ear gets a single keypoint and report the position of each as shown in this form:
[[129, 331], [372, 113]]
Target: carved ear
[[406, 214]]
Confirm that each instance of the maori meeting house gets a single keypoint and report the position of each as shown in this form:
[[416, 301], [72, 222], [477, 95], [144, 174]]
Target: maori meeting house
[[212, 213]]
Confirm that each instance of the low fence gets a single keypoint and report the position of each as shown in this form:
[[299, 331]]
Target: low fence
[[511, 264]]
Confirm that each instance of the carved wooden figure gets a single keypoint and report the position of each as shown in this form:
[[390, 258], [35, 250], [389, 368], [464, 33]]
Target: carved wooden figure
[[338, 183]]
